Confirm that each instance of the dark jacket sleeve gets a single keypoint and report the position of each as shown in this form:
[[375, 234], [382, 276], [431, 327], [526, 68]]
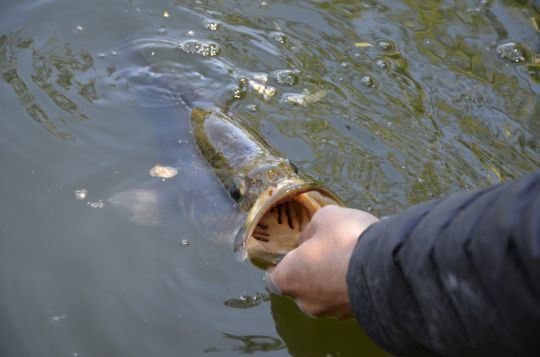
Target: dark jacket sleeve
[[459, 276]]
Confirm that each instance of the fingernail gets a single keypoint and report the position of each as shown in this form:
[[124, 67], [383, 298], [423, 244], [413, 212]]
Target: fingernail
[[270, 286]]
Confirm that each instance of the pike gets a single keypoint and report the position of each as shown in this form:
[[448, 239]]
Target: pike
[[279, 201]]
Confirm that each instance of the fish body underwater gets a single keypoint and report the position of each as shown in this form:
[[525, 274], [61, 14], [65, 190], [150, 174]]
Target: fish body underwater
[[271, 201], [177, 187]]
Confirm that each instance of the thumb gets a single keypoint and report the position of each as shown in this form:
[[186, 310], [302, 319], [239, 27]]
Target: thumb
[[280, 278]]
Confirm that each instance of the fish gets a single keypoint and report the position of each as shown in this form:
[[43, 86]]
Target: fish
[[260, 203], [278, 199], [177, 187]]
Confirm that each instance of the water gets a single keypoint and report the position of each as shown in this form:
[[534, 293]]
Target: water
[[389, 103]]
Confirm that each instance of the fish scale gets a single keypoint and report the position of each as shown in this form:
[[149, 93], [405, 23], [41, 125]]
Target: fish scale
[[278, 200]]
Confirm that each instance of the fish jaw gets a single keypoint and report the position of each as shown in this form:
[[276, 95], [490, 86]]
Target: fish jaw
[[275, 222]]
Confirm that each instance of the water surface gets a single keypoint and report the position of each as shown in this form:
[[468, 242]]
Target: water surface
[[389, 103]]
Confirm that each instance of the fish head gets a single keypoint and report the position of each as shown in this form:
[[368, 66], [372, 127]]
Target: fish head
[[279, 202], [277, 218], [247, 186]]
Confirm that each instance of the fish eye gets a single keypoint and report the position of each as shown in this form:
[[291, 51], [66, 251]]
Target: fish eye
[[234, 191], [237, 188]]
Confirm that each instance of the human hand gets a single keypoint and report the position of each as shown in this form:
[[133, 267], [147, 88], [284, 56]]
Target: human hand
[[314, 273]]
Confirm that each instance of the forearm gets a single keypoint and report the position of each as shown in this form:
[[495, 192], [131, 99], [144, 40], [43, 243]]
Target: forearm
[[456, 276]]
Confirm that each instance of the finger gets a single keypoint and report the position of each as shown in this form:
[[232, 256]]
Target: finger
[[311, 228], [270, 285], [278, 278], [307, 233]]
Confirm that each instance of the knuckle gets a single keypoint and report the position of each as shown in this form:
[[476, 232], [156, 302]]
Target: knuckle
[[325, 211], [281, 280]]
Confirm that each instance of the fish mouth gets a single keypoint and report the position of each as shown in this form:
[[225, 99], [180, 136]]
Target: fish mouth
[[275, 223]]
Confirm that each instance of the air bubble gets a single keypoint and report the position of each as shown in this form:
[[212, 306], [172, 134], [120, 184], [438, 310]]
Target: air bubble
[[279, 37], [78, 29], [96, 204], [185, 242], [238, 93], [80, 194], [514, 52], [386, 45], [253, 108], [211, 25], [285, 77], [260, 77], [368, 81], [381, 64], [57, 319], [202, 48], [305, 98], [435, 47]]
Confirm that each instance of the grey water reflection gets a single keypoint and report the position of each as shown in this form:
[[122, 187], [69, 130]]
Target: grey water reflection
[[252, 343], [246, 301], [54, 63]]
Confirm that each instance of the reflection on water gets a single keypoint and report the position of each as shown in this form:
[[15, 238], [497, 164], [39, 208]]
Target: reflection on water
[[252, 343], [387, 102], [54, 63], [246, 301]]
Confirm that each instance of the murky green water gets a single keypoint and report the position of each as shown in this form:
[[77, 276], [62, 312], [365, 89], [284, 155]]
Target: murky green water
[[388, 102]]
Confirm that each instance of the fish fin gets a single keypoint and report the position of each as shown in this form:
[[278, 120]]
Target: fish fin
[[139, 205]]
